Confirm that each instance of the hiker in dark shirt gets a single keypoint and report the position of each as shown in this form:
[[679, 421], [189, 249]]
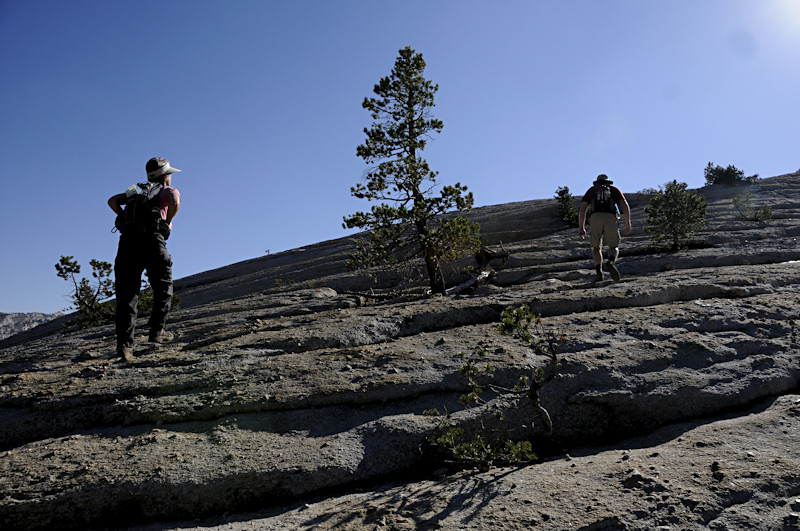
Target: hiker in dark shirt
[[142, 246], [606, 202]]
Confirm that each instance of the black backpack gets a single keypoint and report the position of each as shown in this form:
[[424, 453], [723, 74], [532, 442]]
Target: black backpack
[[141, 213], [602, 200]]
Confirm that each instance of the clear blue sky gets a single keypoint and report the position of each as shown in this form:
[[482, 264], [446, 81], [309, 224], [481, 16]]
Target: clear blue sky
[[259, 103]]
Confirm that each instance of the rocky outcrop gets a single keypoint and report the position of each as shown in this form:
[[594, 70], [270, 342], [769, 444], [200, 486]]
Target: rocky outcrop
[[292, 393], [14, 323]]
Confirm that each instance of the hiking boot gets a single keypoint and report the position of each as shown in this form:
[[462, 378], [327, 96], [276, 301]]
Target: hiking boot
[[598, 276], [126, 353], [614, 271], [161, 336]]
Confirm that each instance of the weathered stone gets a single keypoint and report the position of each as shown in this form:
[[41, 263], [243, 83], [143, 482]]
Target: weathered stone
[[14, 323], [288, 379]]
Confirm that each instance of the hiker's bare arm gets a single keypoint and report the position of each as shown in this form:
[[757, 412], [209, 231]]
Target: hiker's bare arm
[[626, 211], [173, 205], [582, 219], [114, 202]]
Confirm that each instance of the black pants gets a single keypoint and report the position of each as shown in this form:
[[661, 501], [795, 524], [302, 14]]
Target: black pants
[[138, 253]]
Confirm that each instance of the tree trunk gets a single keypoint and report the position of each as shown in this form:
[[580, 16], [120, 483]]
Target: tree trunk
[[434, 273], [431, 263]]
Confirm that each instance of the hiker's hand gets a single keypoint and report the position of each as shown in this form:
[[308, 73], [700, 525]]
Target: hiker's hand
[[582, 232]]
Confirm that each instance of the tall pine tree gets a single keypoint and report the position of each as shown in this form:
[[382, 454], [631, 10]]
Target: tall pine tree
[[408, 222]]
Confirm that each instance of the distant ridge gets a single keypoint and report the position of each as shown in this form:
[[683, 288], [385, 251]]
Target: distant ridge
[[14, 323]]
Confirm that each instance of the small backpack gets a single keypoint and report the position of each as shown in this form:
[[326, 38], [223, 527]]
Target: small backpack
[[602, 200], [141, 212]]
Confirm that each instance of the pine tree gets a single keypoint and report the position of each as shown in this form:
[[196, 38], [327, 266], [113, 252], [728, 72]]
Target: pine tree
[[90, 300], [674, 214], [567, 208], [731, 175], [409, 221]]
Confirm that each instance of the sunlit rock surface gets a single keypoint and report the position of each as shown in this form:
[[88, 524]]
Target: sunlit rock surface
[[293, 398]]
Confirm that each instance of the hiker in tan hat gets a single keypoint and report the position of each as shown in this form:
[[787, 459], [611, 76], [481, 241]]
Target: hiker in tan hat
[[144, 220], [606, 202]]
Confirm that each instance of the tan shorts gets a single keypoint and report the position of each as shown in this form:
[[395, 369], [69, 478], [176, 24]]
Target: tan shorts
[[603, 228]]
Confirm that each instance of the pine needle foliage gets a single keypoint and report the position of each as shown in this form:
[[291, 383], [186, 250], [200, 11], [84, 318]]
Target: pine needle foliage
[[567, 208], [745, 211], [92, 299], [730, 175], [409, 220], [494, 443], [675, 214], [89, 298]]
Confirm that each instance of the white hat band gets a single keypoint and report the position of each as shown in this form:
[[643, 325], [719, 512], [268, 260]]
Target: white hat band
[[166, 168]]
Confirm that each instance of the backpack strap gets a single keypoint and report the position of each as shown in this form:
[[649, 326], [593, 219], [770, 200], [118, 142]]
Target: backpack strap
[[151, 190]]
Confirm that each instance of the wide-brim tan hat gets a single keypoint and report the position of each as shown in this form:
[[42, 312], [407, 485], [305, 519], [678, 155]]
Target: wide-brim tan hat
[[158, 167], [603, 179]]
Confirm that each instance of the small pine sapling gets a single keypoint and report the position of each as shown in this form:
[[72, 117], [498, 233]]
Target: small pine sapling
[[567, 209], [746, 212], [488, 446], [91, 301], [675, 214]]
